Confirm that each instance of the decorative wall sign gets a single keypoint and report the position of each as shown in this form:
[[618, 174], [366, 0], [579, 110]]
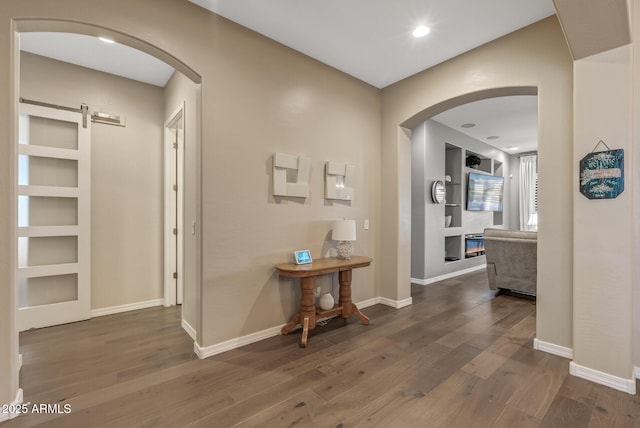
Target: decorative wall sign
[[338, 181], [291, 175], [602, 174]]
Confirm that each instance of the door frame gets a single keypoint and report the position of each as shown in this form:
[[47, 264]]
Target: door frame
[[173, 210]]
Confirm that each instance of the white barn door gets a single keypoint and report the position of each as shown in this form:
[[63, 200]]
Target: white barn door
[[54, 217]]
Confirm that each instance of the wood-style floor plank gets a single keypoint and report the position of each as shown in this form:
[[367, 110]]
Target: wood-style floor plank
[[457, 357]]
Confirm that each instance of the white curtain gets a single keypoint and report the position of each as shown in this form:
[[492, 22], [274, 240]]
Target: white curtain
[[528, 212]]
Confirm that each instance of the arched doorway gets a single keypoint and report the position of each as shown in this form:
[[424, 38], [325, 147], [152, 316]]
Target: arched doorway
[[194, 115], [496, 130]]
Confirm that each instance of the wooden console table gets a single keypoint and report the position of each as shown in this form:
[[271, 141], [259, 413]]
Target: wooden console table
[[307, 274]]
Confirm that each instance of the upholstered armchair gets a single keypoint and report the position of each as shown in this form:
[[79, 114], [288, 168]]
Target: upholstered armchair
[[511, 260]]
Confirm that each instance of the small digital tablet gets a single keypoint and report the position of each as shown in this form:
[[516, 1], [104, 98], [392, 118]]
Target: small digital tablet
[[302, 257]]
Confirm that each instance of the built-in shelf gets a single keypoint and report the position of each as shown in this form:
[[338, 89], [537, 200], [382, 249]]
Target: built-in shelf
[[455, 243], [441, 228], [452, 248], [486, 164], [451, 231]]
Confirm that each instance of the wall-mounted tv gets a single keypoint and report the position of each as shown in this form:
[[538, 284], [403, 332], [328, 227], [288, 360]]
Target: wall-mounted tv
[[484, 192]]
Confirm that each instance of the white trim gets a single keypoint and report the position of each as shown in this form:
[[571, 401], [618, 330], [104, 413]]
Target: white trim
[[368, 302], [19, 362], [228, 345], [428, 281], [17, 402], [218, 348], [190, 330], [173, 173], [637, 372], [552, 348], [125, 308], [606, 379], [398, 304]]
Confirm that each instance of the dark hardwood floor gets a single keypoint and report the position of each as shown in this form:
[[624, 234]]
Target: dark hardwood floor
[[458, 357]]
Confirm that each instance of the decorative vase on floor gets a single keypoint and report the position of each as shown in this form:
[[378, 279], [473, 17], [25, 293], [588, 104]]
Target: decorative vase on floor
[[326, 301]]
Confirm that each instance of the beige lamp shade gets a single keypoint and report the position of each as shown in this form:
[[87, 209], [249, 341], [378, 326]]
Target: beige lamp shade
[[344, 230]]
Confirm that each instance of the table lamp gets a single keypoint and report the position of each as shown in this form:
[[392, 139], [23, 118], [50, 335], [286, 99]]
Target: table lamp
[[345, 232]]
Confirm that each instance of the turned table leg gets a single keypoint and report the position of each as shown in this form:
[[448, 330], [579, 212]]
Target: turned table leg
[[294, 322], [307, 307], [307, 314], [348, 307]]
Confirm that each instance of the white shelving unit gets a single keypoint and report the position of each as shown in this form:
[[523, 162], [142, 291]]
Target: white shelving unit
[[463, 222]]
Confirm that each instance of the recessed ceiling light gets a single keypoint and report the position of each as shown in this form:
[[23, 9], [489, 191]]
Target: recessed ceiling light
[[493, 137], [467, 125], [106, 40], [421, 31], [511, 148]]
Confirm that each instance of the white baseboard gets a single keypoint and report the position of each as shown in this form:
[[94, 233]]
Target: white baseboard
[[447, 275], [368, 302], [398, 304], [190, 330], [125, 308], [552, 348], [218, 348], [606, 379], [15, 404]]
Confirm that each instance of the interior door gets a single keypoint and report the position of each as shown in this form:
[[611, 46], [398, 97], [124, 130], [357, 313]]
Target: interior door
[[54, 217], [174, 210]]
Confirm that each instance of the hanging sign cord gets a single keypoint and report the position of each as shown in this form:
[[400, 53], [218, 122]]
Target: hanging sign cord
[[600, 142]]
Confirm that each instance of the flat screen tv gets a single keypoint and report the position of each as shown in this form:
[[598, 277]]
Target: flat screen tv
[[484, 192]]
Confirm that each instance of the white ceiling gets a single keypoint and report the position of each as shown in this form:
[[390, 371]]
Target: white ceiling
[[88, 51], [371, 39], [513, 119], [368, 39]]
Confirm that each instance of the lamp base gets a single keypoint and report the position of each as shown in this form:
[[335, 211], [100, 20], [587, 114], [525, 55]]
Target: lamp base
[[345, 250]]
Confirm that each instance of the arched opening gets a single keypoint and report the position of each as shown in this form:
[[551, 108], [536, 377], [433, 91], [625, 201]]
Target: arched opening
[[446, 236], [191, 119]]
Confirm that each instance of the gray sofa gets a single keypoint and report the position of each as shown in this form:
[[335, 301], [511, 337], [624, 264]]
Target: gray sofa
[[511, 260]]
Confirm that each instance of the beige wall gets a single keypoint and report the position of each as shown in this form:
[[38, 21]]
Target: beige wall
[[126, 175], [536, 56], [266, 99], [602, 276], [178, 92]]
